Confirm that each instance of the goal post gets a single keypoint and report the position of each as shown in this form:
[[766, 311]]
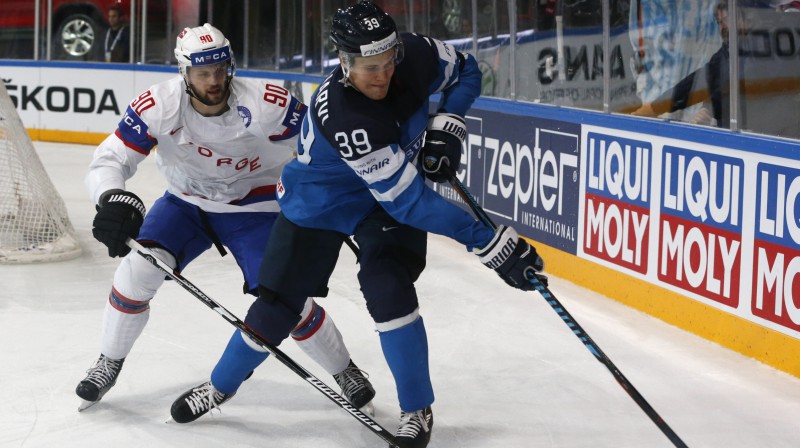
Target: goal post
[[34, 225]]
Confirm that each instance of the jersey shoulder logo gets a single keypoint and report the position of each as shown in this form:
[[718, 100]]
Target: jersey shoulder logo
[[246, 115], [294, 114]]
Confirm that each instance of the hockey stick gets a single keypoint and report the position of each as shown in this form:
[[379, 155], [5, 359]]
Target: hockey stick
[[572, 324], [365, 420]]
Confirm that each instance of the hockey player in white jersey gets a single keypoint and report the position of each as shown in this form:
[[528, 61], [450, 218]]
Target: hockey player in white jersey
[[222, 143], [358, 173]]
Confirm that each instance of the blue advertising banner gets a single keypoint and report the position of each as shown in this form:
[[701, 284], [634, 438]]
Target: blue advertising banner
[[525, 172]]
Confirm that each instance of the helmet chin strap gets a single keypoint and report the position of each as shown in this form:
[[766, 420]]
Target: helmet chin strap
[[191, 93], [344, 62], [346, 78]]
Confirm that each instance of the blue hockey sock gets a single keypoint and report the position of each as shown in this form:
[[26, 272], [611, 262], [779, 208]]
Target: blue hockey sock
[[238, 360], [406, 352]]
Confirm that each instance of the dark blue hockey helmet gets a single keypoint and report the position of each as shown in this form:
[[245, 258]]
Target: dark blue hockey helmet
[[364, 29]]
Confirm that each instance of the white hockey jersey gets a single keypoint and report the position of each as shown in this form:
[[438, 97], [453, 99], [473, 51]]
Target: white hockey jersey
[[228, 163]]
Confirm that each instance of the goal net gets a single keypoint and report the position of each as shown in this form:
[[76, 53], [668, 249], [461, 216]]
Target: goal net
[[34, 226]]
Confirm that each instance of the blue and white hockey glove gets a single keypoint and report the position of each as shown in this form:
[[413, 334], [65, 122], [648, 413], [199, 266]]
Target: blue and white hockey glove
[[120, 215], [443, 141], [514, 260]]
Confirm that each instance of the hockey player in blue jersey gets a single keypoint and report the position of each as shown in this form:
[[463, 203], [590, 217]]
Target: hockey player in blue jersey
[[358, 173]]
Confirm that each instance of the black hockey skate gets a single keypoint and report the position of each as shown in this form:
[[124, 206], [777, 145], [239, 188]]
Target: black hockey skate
[[197, 402], [415, 428], [99, 379], [356, 387]]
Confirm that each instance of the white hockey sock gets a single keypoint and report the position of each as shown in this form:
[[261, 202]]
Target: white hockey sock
[[121, 330], [318, 337], [128, 306]]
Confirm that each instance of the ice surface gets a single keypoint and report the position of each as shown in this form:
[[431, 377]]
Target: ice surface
[[506, 370]]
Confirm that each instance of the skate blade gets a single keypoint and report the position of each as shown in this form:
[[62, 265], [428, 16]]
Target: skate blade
[[369, 409], [85, 404]]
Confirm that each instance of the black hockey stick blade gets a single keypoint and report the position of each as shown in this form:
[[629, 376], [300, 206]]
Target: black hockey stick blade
[[562, 312], [342, 402]]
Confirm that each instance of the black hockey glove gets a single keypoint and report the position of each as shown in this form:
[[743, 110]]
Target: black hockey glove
[[514, 260], [443, 140], [119, 216]]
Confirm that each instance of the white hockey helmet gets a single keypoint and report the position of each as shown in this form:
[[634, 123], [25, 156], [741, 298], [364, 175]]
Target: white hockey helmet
[[203, 45]]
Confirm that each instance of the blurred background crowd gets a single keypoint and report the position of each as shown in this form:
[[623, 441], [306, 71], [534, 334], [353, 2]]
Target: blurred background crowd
[[668, 59]]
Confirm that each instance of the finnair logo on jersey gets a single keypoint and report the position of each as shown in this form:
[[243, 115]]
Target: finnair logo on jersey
[[372, 167], [379, 46], [378, 165], [211, 56]]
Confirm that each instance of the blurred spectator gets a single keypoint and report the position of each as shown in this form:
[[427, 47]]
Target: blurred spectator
[[715, 95], [117, 41], [793, 6]]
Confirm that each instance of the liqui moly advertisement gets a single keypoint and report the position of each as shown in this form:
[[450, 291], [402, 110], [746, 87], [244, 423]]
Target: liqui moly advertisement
[[701, 223], [617, 200], [716, 224], [776, 255]]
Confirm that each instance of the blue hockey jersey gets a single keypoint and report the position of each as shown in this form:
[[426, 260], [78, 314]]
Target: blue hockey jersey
[[356, 154]]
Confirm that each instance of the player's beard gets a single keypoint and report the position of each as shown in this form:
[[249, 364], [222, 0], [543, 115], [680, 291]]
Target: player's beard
[[206, 99]]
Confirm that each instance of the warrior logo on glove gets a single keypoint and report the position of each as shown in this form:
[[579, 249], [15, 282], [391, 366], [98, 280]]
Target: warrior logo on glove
[[501, 255], [120, 215], [513, 259], [443, 141]]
